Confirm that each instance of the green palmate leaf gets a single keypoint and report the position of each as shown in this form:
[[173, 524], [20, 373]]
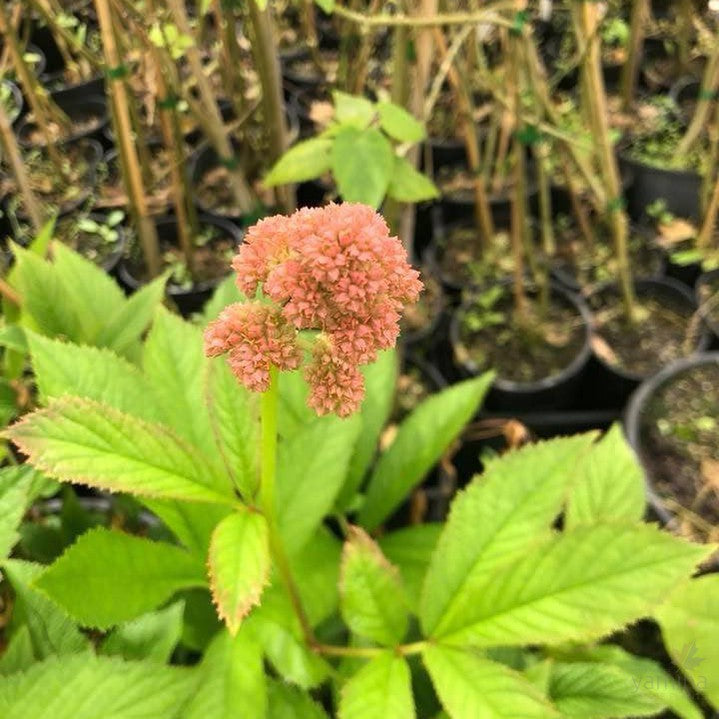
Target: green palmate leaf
[[647, 677], [51, 631], [226, 293], [327, 5], [352, 110], [599, 691], [109, 577], [78, 440], [609, 484], [399, 124], [420, 442], [509, 508], [200, 622], [294, 413], [410, 550], [471, 686], [63, 368], [690, 627], [87, 687], [12, 337], [288, 702], [381, 689], [122, 330], [372, 601], [232, 680], [278, 630], [372, 598], [175, 364], [408, 184], [316, 572], [577, 586], [234, 413], [380, 380], [308, 482], [362, 164], [151, 636], [305, 161], [239, 562], [13, 504], [88, 289]]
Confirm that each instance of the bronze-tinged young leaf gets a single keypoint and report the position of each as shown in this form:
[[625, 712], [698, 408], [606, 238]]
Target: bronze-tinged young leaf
[[87, 442], [239, 562], [372, 598]]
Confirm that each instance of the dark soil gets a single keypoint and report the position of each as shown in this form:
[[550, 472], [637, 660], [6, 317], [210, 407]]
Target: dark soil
[[679, 433], [81, 124], [304, 67], [424, 313], [91, 245], [708, 293], [657, 338], [412, 388], [542, 348], [457, 183], [212, 255], [214, 192]]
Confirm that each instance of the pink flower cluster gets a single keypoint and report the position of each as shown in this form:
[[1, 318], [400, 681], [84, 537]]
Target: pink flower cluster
[[335, 270]]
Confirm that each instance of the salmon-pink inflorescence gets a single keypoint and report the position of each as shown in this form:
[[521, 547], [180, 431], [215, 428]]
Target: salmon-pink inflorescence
[[335, 270]]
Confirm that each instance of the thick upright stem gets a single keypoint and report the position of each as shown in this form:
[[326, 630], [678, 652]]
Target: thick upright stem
[[146, 229], [265, 54], [14, 159], [268, 500], [586, 23], [640, 14], [707, 93]]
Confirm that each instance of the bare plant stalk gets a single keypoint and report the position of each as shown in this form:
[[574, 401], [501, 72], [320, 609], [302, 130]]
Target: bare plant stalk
[[706, 233], [545, 199], [630, 71], [14, 159], [684, 31], [42, 107], [707, 94], [360, 66], [578, 208], [483, 215], [146, 229], [309, 26], [211, 113], [586, 17], [268, 68]]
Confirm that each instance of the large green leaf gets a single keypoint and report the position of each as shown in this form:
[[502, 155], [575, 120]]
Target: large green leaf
[[408, 184], [232, 680], [88, 687], [372, 599], [381, 689], [305, 161], [690, 627], [239, 563], [108, 577], [577, 586], [471, 686], [122, 330], [78, 440], [311, 468], [234, 413], [600, 691], [399, 124], [410, 550], [352, 110], [175, 364], [18, 655], [420, 442], [13, 503], [63, 368], [609, 485], [512, 505], [380, 380], [288, 702], [50, 629], [362, 164], [151, 636]]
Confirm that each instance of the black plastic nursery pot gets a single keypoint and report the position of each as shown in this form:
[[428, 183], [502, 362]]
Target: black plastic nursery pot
[[707, 296], [92, 153], [554, 392], [188, 299], [88, 112], [108, 256], [666, 491], [614, 384], [680, 189]]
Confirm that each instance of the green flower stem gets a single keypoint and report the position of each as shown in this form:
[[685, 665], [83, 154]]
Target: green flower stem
[[268, 474]]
